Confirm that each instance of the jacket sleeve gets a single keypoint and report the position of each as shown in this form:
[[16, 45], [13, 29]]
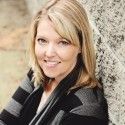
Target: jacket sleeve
[[2, 123], [92, 111], [75, 119], [10, 114], [83, 108]]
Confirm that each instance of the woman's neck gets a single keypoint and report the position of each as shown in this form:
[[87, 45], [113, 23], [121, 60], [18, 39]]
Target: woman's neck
[[49, 87]]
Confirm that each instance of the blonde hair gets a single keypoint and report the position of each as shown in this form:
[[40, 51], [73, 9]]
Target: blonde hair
[[71, 22]]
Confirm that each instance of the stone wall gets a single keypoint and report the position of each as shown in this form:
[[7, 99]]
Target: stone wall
[[108, 22]]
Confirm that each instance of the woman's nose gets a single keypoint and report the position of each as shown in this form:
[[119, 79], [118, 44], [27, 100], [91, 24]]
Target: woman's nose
[[50, 50]]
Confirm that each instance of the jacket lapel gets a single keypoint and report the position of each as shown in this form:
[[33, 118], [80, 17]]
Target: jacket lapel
[[30, 106]]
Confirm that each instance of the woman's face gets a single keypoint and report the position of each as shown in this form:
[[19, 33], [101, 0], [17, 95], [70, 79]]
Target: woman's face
[[56, 55]]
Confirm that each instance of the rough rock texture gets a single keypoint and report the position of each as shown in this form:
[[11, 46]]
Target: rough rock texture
[[108, 23]]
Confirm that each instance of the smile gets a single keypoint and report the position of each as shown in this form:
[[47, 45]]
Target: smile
[[51, 63]]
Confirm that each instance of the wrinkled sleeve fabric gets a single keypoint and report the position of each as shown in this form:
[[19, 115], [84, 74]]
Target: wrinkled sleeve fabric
[[83, 108], [2, 123], [11, 113], [68, 118], [74, 119]]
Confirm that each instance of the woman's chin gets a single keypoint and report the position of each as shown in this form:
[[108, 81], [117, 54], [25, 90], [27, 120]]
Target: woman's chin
[[50, 75]]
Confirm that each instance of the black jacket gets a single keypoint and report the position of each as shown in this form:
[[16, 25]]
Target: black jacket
[[80, 106]]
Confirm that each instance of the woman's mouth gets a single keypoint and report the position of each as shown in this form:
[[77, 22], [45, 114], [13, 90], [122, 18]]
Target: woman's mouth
[[51, 64]]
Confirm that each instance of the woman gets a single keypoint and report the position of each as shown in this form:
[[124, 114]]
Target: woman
[[60, 88]]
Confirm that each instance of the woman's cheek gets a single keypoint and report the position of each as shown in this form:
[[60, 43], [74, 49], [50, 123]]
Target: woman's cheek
[[67, 54], [38, 52]]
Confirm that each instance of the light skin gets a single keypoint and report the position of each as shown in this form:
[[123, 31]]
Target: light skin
[[56, 55]]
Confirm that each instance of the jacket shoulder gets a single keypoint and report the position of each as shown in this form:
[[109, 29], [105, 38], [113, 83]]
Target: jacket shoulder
[[86, 102]]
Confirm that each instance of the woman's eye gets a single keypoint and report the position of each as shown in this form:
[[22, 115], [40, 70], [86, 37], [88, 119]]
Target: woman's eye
[[41, 41], [63, 42]]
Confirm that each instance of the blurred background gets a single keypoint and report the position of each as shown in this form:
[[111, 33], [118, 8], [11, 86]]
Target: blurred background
[[15, 18]]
